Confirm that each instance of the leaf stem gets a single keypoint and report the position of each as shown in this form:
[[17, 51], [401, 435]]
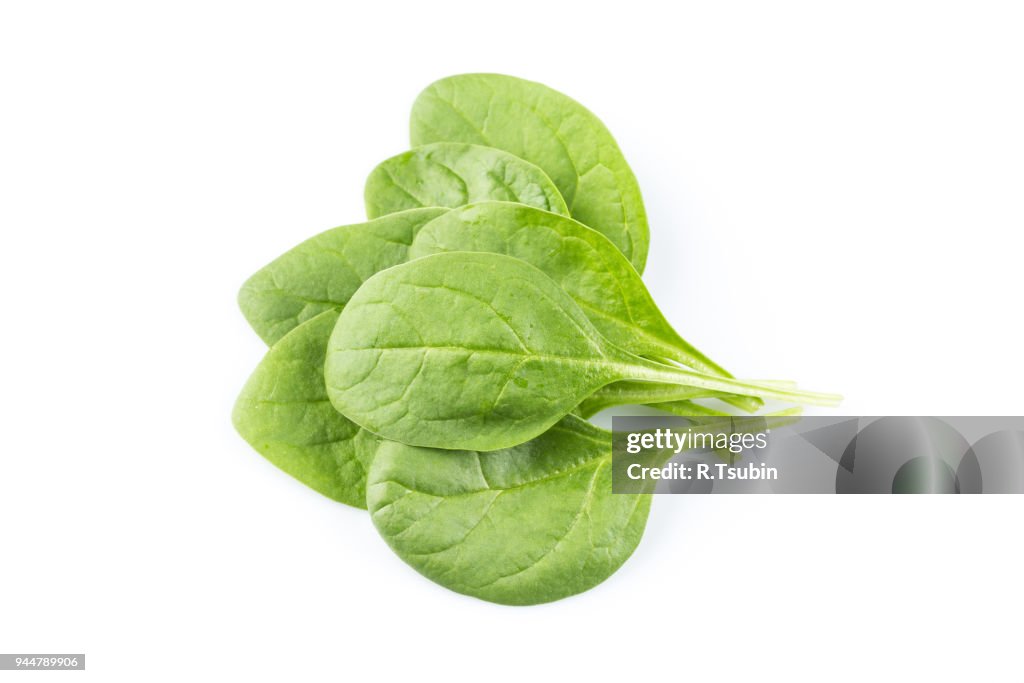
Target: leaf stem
[[643, 369], [681, 351]]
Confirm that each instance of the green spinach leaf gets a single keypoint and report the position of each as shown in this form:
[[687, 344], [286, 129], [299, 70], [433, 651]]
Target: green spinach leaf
[[452, 174], [481, 351], [323, 272], [284, 413], [580, 260], [519, 526], [551, 130]]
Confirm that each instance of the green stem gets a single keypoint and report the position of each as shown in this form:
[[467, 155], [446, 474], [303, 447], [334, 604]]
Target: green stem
[[682, 351], [640, 393], [658, 372], [688, 409]]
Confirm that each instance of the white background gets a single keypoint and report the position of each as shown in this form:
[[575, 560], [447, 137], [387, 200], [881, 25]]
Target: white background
[[835, 197]]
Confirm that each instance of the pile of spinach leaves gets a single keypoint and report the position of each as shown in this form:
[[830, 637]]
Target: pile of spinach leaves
[[437, 363]]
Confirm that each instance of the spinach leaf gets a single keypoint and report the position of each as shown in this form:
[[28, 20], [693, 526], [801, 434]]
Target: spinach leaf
[[323, 272], [481, 351], [583, 263], [453, 174], [520, 526], [284, 413], [551, 130]]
